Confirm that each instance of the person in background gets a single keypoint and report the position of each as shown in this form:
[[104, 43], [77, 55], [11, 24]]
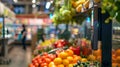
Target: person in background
[[41, 34], [24, 33]]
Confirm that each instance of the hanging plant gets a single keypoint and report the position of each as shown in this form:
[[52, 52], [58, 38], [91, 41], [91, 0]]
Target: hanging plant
[[65, 13], [113, 8]]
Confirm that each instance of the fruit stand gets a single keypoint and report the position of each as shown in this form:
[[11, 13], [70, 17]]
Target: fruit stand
[[86, 53]]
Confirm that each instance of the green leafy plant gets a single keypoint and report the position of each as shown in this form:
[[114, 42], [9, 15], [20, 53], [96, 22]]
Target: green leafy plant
[[113, 8]]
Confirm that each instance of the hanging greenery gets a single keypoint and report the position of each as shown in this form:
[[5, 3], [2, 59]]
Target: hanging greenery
[[70, 11], [113, 8]]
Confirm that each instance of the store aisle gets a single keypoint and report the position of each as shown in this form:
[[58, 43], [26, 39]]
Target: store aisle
[[19, 57]]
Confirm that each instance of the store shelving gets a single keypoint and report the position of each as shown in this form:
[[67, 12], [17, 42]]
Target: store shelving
[[7, 17]]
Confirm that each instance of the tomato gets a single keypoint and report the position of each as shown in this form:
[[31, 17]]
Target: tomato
[[48, 60], [38, 56], [44, 64], [45, 54], [52, 57], [33, 60], [59, 45], [31, 65], [39, 61], [43, 58], [36, 64]]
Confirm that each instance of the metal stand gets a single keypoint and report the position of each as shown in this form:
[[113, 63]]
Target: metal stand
[[4, 41], [4, 59]]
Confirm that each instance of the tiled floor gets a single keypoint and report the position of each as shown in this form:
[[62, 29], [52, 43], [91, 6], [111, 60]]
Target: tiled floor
[[19, 57]]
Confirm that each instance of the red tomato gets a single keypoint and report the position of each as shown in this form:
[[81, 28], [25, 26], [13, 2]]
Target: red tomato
[[45, 54], [36, 64], [33, 60], [38, 56], [31, 65], [48, 60], [39, 61], [43, 58], [44, 64], [52, 57]]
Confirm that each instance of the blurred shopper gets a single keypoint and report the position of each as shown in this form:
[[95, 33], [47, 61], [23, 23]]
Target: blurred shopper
[[41, 34], [24, 34]]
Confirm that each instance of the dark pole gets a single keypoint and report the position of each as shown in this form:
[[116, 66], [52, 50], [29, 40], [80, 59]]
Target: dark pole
[[94, 39], [106, 37], [3, 42]]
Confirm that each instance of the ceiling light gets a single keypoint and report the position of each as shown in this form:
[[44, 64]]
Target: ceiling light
[[15, 1], [48, 5], [51, 1], [33, 1], [34, 5]]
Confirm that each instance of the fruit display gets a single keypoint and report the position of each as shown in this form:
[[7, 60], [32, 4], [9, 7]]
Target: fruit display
[[63, 58], [75, 55], [42, 61], [44, 46], [48, 42], [49, 45], [60, 43]]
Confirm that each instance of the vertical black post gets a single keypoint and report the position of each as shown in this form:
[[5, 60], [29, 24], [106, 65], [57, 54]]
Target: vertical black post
[[3, 38], [3, 27], [94, 39], [106, 34]]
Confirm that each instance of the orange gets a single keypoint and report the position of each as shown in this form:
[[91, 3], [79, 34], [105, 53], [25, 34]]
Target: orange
[[61, 65], [114, 64], [97, 52], [65, 62], [69, 52], [63, 55], [84, 60], [91, 58], [70, 59], [118, 59], [51, 64], [118, 52], [79, 58], [70, 65], [74, 56], [75, 59], [57, 61], [113, 58], [99, 58], [118, 65]]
